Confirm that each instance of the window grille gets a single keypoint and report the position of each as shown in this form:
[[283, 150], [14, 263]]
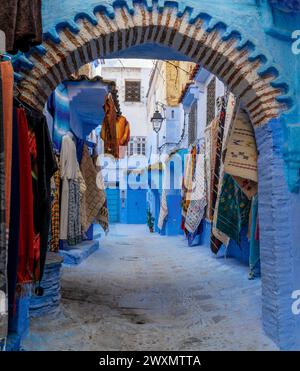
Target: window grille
[[132, 91]]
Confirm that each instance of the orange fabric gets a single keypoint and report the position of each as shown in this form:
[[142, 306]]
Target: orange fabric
[[123, 135], [7, 88], [108, 130], [115, 131]]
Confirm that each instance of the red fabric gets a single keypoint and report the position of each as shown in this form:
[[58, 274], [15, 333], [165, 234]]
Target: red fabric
[[26, 242]]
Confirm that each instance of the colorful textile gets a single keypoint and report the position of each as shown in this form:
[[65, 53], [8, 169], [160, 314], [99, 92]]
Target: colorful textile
[[216, 148], [254, 257], [208, 166], [234, 208], [55, 200], [198, 202], [27, 260], [241, 155], [230, 107], [13, 245], [94, 197], [123, 135], [249, 187], [163, 212], [47, 166], [7, 101], [109, 130], [36, 200], [74, 224], [187, 182], [68, 171], [21, 20], [3, 239]]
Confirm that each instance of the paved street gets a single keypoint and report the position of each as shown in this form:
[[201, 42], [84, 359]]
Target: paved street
[[143, 291]]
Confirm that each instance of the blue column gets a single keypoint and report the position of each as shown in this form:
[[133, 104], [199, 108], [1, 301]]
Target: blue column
[[278, 212]]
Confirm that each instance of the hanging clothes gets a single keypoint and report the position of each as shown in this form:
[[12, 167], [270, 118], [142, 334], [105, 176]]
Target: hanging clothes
[[68, 171], [46, 167], [55, 213], [7, 101], [74, 236], [27, 258], [109, 130], [3, 229], [36, 201], [13, 246], [21, 21], [123, 135]]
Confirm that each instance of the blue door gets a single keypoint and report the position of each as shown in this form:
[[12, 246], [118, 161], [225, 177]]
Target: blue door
[[113, 203]]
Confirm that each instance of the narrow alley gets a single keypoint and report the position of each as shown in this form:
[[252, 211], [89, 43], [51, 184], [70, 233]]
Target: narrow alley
[[145, 291]]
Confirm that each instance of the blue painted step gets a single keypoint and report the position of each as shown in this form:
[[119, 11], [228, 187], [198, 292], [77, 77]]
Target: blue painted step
[[76, 254]]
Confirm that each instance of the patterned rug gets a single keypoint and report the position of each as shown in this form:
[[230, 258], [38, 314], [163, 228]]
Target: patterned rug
[[163, 212], [94, 198], [230, 107], [241, 153], [198, 201]]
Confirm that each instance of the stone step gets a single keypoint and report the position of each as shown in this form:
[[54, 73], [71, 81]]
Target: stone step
[[77, 254]]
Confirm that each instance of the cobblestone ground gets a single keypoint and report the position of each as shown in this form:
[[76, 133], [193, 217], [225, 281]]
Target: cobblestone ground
[[143, 291]]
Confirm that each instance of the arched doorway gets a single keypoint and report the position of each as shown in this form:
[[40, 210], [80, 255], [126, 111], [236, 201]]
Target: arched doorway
[[184, 30]]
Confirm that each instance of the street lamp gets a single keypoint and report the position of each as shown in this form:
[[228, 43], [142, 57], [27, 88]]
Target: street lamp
[[157, 120]]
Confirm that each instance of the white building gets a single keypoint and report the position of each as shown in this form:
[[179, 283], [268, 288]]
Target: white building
[[132, 81]]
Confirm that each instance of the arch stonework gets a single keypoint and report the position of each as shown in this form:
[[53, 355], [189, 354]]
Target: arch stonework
[[215, 49]]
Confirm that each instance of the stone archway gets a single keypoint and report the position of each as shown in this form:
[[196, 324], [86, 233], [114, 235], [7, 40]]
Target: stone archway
[[215, 48], [221, 50]]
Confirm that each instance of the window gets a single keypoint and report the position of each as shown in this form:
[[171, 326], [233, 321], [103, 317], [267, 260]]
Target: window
[[132, 91], [211, 101], [137, 146]]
